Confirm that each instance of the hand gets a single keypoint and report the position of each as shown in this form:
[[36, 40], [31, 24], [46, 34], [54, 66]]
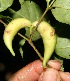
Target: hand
[[35, 72]]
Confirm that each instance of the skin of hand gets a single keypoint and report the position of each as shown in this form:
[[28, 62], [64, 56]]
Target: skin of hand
[[35, 72]]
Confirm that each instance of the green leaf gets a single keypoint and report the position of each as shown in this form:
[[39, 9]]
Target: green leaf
[[31, 11], [4, 4], [21, 51], [36, 35], [21, 1], [61, 11], [21, 43], [63, 47], [1, 16]]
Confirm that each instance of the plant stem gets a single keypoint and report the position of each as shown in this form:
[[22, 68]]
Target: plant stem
[[31, 43], [3, 23], [49, 7], [30, 40], [38, 23], [52, 3]]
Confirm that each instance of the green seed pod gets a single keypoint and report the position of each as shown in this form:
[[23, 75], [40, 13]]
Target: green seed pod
[[12, 28], [48, 35], [46, 31]]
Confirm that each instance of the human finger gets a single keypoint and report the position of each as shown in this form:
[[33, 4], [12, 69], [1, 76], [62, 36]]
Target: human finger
[[31, 72], [65, 76], [54, 64], [50, 75]]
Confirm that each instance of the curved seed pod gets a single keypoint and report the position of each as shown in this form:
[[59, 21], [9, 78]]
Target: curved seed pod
[[12, 28], [47, 33]]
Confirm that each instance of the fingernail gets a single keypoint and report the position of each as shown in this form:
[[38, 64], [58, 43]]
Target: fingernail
[[54, 64]]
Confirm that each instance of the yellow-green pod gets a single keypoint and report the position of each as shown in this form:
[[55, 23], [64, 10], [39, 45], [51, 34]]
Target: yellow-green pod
[[11, 29], [46, 31], [48, 35]]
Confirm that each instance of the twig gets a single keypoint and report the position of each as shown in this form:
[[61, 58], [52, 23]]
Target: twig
[[31, 43], [52, 3], [3, 23], [38, 23], [41, 18]]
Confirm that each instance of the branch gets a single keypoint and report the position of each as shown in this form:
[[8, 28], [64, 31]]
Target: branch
[[41, 18], [3, 23], [31, 43]]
